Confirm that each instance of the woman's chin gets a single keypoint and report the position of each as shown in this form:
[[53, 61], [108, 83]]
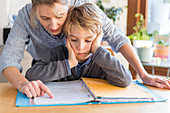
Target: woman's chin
[[55, 33]]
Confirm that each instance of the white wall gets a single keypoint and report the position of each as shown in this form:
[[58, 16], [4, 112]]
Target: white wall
[[122, 23], [8, 7], [158, 17], [3, 17], [17, 5]]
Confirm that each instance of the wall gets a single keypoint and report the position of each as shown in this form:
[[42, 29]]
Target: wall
[[122, 23], [159, 16], [3, 22], [17, 5], [8, 7]]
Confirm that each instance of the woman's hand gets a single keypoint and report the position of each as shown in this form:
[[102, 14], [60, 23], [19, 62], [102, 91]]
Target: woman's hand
[[72, 57], [156, 82], [97, 41], [34, 89], [131, 56]]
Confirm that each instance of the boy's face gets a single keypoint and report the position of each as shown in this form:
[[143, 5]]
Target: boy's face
[[81, 40]]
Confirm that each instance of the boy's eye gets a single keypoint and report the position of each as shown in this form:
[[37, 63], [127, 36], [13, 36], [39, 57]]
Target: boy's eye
[[88, 40]]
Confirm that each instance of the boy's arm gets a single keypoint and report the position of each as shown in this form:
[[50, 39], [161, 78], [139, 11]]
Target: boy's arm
[[117, 74], [47, 72], [56, 68]]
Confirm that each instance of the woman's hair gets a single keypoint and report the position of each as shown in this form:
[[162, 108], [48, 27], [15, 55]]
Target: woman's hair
[[87, 16], [50, 3]]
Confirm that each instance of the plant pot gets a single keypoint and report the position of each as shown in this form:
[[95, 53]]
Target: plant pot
[[142, 43], [162, 51], [145, 54]]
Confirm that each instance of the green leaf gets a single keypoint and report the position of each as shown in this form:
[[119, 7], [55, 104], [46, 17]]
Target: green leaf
[[161, 42], [112, 13]]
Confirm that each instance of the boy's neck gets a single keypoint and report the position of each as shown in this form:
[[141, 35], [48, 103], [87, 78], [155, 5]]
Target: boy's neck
[[82, 61]]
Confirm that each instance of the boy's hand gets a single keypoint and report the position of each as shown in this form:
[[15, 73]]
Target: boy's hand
[[72, 57], [97, 41], [34, 89]]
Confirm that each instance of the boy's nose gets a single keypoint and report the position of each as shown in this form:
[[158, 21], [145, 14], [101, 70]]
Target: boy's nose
[[80, 46]]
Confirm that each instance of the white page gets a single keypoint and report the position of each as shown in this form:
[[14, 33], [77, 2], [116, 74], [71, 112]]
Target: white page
[[65, 93]]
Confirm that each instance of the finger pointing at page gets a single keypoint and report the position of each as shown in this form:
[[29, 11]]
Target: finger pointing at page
[[45, 89], [34, 89]]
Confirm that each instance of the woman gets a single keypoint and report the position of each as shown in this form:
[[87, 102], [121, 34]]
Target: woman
[[41, 23]]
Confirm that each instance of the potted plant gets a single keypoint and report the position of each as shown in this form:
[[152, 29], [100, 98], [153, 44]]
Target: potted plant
[[162, 49], [142, 41]]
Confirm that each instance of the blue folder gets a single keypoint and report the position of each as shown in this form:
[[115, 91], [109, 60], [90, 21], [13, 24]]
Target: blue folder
[[24, 101]]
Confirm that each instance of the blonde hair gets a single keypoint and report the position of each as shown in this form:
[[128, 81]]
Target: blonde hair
[[36, 3], [87, 16]]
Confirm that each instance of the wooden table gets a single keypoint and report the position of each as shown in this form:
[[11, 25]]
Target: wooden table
[[8, 96]]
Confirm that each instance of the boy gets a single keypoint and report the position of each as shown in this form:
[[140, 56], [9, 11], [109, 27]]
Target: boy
[[83, 56]]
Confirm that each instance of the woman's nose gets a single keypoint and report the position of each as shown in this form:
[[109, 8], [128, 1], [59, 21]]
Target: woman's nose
[[54, 24]]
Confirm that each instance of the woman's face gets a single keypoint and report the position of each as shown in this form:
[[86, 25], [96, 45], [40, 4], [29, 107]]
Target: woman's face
[[52, 20], [81, 40]]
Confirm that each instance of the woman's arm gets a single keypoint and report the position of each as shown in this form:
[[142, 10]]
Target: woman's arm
[[129, 53], [31, 89], [13, 53]]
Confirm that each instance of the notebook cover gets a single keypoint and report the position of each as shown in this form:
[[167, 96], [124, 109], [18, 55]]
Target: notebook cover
[[24, 101], [103, 89]]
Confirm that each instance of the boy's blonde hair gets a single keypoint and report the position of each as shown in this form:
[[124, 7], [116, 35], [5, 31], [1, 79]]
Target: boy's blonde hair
[[87, 16], [50, 3]]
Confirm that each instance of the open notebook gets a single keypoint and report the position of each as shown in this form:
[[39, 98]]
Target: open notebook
[[90, 91]]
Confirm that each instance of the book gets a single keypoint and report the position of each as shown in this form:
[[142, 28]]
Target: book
[[90, 91]]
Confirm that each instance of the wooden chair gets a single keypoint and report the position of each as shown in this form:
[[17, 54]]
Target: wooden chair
[[105, 45]]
